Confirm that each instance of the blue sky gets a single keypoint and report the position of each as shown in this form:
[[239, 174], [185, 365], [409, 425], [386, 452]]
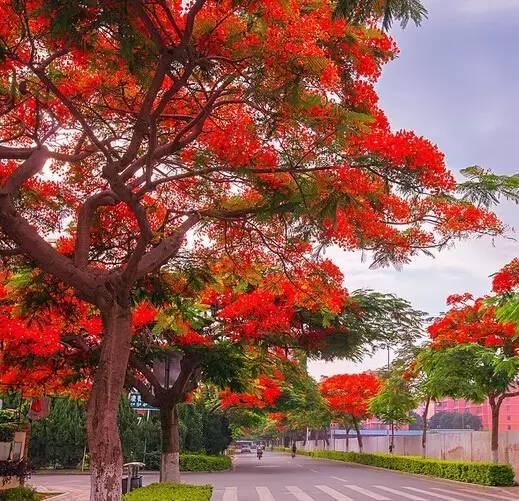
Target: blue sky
[[456, 82]]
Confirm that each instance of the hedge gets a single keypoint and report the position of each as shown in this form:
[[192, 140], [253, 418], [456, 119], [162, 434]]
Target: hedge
[[462, 471], [202, 462], [169, 491], [19, 494]]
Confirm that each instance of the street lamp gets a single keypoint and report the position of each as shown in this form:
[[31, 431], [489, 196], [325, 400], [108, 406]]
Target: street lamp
[[166, 368]]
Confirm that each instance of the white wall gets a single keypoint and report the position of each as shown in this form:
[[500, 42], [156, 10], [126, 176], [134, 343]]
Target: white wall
[[469, 446]]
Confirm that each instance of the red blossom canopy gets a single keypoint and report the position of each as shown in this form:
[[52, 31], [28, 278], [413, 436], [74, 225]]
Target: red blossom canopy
[[349, 394]]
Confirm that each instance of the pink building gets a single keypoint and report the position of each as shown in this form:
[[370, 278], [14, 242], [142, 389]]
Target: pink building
[[508, 419]]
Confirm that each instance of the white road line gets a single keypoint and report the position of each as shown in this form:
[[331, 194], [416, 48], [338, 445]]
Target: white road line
[[298, 493], [339, 479], [498, 496], [400, 493], [367, 493], [230, 494], [333, 493], [433, 494], [314, 471], [264, 494], [472, 496]]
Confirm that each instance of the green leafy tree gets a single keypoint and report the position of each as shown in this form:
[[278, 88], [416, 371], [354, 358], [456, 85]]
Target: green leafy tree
[[455, 421], [60, 439], [393, 403], [473, 372]]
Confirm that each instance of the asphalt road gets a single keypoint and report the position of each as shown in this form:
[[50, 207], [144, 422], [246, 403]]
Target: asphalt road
[[278, 477]]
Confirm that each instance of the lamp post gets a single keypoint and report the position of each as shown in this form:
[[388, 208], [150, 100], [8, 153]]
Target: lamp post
[[166, 368]]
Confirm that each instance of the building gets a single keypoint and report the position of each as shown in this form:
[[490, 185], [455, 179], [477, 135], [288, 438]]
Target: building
[[508, 418]]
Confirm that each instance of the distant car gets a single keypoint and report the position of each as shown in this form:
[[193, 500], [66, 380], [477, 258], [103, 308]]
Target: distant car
[[244, 446]]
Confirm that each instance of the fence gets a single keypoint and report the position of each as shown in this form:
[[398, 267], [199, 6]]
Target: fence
[[463, 445]]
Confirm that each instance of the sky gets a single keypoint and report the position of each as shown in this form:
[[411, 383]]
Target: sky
[[456, 82]]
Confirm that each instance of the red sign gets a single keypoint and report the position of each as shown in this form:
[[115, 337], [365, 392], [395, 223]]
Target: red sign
[[40, 408]]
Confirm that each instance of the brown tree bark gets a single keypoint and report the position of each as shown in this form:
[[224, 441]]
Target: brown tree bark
[[170, 457], [103, 404], [495, 407], [424, 431], [359, 436], [392, 444]]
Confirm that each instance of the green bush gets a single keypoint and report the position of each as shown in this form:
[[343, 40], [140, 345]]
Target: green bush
[[168, 491], [19, 494], [7, 431], [463, 471], [202, 462]]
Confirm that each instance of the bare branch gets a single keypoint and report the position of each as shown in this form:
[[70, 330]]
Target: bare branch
[[85, 216], [167, 249]]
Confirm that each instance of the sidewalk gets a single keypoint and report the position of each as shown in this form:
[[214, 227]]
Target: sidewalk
[[81, 494]]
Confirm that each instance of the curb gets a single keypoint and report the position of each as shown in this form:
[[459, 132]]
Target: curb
[[417, 475]]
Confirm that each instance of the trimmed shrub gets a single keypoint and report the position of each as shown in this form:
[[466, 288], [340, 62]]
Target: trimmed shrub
[[463, 471], [169, 491], [19, 494], [202, 462]]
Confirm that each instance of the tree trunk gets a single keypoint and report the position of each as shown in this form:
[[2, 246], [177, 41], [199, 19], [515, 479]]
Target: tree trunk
[[392, 444], [359, 436], [424, 431], [494, 444], [170, 454], [103, 405], [347, 439]]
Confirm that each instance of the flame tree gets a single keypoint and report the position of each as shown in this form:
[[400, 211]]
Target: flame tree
[[223, 326], [348, 397], [472, 356], [248, 126]]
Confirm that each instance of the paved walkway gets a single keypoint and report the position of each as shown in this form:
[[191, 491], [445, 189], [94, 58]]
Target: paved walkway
[[278, 477]]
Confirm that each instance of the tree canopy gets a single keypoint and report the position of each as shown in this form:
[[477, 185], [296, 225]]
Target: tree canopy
[[149, 136]]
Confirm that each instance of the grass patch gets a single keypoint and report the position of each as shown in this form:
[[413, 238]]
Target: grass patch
[[169, 491], [203, 462]]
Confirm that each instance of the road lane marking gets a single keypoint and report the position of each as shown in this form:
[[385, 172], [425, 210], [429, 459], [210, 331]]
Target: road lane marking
[[264, 494], [315, 471], [230, 494], [367, 493], [333, 493], [400, 493], [298, 493], [498, 496], [429, 493], [339, 479], [479, 494]]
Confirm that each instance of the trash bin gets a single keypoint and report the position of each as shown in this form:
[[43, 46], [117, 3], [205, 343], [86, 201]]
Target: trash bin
[[133, 479]]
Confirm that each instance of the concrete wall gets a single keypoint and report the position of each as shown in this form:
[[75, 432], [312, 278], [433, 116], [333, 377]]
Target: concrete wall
[[468, 446], [19, 437]]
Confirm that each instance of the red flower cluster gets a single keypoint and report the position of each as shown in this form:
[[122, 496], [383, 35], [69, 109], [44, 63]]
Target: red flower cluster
[[507, 279], [266, 393], [350, 394], [470, 322]]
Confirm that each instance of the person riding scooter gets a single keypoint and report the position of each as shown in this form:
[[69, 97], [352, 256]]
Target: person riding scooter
[[259, 452], [294, 449]]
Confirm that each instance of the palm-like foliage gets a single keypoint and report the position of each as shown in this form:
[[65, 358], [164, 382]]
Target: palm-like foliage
[[358, 11]]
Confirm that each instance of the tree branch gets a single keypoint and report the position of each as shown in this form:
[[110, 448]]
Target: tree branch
[[167, 249]]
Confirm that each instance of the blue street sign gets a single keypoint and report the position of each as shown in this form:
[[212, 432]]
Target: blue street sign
[[136, 402]]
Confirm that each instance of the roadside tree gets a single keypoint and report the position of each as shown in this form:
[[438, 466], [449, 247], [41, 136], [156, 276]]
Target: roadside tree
[[348, 397], [393, 403], [471, 356], [143, 134]]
